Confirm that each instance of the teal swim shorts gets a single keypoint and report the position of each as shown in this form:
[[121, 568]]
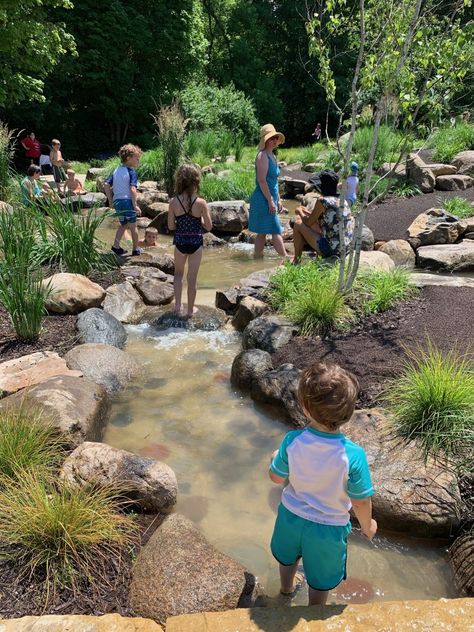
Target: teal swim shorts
[[323, 548]]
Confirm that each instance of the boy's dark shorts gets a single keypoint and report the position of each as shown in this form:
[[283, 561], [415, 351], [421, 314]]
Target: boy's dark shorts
[[125, 212]]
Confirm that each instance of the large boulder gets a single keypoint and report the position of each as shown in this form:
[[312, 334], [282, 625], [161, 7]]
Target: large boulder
[[268, 332], [104, 364], [160, 219], [154, 291], [80, 623], [124, 302], [179, 572], [85, 201], [400, 251], [392, 170], [205, 319], [95, 172], [147, 198], [157, 209], [30, 370], [279, 388], [229, 218], [461, 555], [6, 208], [420, 174], [248, 366], [375, 260], [72, 293], [449, 257], [434, 226], [78, 407], [464, 162], [456, 182], [413, 497], [150, 484], [96, 325], [441, 170], [293, 186], [154, 258], [248, 309], [212, 241]]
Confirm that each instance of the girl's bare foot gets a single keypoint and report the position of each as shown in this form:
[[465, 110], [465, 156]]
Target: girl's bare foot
[[178, 310]]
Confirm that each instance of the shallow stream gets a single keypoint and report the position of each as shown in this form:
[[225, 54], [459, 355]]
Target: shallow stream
[[219, 442]]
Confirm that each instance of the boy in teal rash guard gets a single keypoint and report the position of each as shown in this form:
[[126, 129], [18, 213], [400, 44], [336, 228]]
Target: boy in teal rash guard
[[327, 474]]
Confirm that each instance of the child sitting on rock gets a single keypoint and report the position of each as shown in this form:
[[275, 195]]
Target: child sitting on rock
[[326, 475], [151, 235], [73, 186]]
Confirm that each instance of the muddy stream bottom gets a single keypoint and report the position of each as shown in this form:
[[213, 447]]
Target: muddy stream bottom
[[186, 413]]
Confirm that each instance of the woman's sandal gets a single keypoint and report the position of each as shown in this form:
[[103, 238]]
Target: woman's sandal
[[299, 582]]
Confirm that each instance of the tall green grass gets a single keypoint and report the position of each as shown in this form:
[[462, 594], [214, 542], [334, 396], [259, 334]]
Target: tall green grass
[[449, 141], [171, 127], [458, 206], [389, 145], [382, 289], [151, 165], [239, 185], [433, 401], [304, 154], [6, 157]]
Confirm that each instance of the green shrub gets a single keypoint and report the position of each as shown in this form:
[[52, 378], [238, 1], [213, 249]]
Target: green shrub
[[151, 165], [448, 141], [64, 533], [237, 186], [389, 145], [171, 127], [27, 441], [7, 152], [382, 289], [209, 107], [404, 189], [433, 401], [458, 206]]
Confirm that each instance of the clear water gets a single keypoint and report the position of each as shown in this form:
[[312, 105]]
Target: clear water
[[219, 443]]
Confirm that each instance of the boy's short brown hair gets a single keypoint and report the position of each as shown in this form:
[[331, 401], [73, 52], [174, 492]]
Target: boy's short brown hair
[[151, 230], [329, 394], [127, 151]]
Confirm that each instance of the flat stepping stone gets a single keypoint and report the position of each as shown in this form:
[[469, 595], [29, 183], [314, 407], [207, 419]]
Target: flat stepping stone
[[206, 319]]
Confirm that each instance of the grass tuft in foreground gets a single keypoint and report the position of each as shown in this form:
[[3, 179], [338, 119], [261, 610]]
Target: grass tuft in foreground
[[433, 401], [458, 206], [381, 289]]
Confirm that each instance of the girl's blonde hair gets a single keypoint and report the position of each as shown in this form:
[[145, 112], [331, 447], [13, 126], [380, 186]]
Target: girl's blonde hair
[[187, 178]]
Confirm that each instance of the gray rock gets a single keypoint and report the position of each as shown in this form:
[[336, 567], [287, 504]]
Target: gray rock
[[259, 279], [367, 239], [157, 209], [154, 291], [123, 302], [147, 198], [154, 258], [401, 253], [435, 226], [456, 182], [86, 200], [419, 174], [464, 162], [104, 364], [449, 257], [442, 170], [228, 218], [228, 300], [375, 260], [72, 293], [248, 309], [247, 366], [150, 484], [293, 186], [268, 333], [95, 172], [206, 319], [160, 219], [422, 279], [6, 208], [95, 325], [392, 170], [212, 241], [279, 388], [178, 572], [78, 407]]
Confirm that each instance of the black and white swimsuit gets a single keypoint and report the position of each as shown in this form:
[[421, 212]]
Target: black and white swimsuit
[[188, 235]]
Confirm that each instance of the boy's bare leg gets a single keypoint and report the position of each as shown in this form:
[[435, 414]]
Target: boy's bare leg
[[278, 244], [194, 261], [317, 597], [134, 234], [304, 234], [119, 234], [179, 263], [287, 577], [259, 245]]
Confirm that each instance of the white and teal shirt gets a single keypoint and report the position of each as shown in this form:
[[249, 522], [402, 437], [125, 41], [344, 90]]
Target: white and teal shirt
[[325, 470]]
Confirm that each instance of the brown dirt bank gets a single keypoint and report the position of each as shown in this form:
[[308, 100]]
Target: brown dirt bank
[[374, 350]]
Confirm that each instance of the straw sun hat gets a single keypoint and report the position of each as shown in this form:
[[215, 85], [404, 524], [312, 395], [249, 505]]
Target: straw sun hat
[[266, 132]]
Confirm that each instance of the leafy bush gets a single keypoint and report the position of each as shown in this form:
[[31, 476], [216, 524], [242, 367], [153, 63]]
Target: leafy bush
[[27, 441], [209, 107], [382, 289], [448, 141], [458, 206], [171, 127], [66, 533], [433, 401], [389, 145], [6, 156], [237, 186]]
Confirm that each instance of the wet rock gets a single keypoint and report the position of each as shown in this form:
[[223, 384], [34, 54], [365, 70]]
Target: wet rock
[[154, 291], [150, 484], [419, 174], [123, 302], [229, 218], [79, 623], [95, 172], [104, 364], [85, 201], [279, 388], [449, 257], [292, 186], [228, 300], [248, 309], [411, 497], [268, 333], [147, 198], [376, 260], [442, 170], [367, 239], [78, 407], [461, 556], [153, 258], [455, 182], [434, 226], [143, 222], [96, 325], [179, 572], [158, 209], [259, 279], [212, 241], [401, 253], [72, 293], [160, 219], [206, 319], [247, 366], [464, 162], [30, 370]]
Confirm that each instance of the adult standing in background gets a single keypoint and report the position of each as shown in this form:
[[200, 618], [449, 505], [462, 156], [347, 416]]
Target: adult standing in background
[[265, 200], [32, 148]]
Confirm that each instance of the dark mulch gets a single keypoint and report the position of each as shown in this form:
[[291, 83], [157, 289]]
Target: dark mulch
[[374, 350], [27, 597], [391, 219]]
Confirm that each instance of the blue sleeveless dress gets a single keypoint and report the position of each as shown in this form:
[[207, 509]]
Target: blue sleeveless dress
[[260, 219]]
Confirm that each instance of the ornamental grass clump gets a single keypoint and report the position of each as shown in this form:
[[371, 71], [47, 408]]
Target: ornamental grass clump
[[7, 152], [384, 289], [171, 126], [433, 401], [64, 534], [458, 206]]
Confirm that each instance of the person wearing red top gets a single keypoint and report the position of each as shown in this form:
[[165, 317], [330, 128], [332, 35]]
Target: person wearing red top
[[32, 147]]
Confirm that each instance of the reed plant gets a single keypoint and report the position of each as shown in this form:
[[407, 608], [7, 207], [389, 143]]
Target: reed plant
[[381, 290], [239, 144], [7, 151], [433, 401], [151, 165], [171, 126]]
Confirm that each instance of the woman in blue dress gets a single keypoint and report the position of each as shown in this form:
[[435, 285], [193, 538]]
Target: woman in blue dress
[[265, 200]]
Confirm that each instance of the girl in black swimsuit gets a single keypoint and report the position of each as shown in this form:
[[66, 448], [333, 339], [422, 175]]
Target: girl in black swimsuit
[[187, 215]]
